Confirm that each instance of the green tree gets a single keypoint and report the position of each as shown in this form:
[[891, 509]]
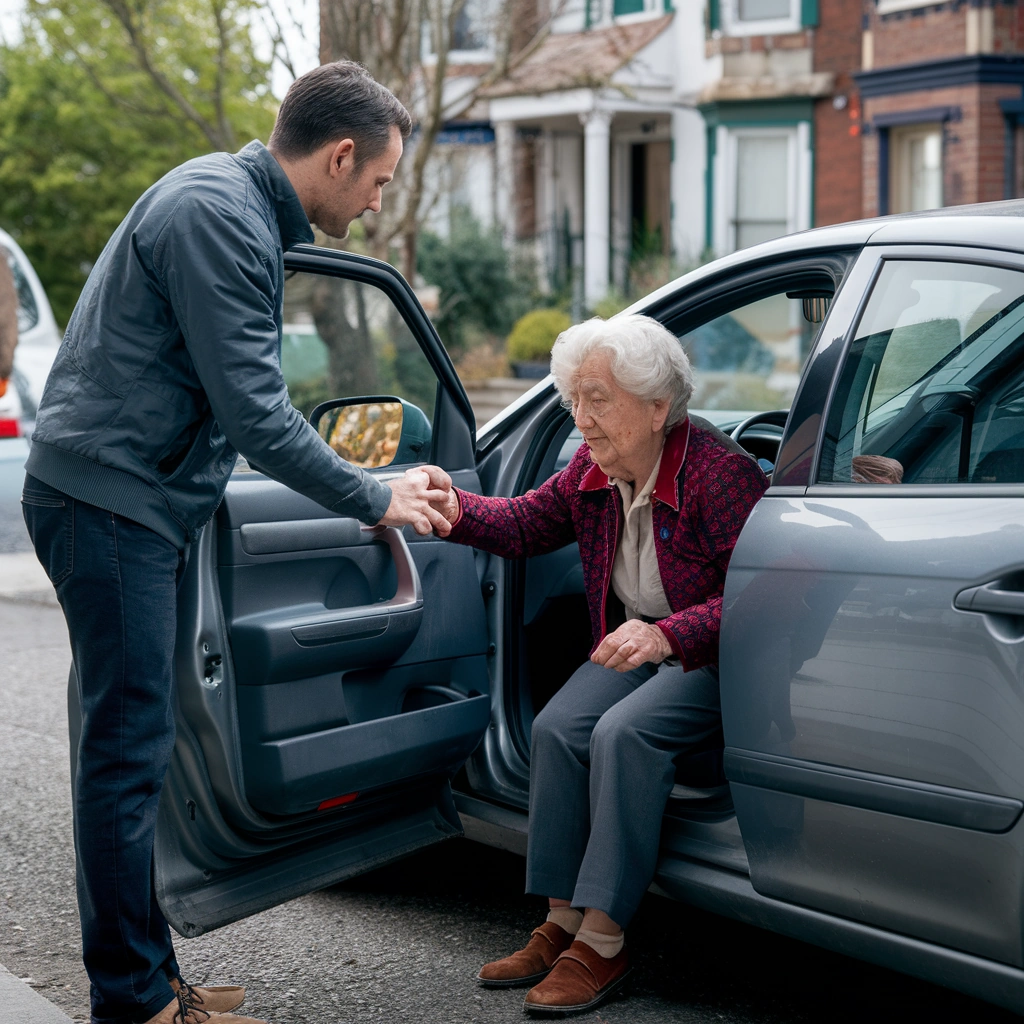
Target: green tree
[[481, 284], [98, 100]]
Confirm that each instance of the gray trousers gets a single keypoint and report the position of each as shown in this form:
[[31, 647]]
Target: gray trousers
[[602, 766]]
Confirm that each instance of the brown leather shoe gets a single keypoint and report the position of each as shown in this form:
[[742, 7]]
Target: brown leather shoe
[[530, 964], [180, 1011], [579, 980], [211, 998]]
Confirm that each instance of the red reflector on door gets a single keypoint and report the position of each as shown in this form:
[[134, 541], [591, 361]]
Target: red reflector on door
[[337, 801], [9, 428]]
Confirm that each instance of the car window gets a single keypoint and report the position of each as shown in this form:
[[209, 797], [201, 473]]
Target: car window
[[28, 311], [932, 389], [750, 358], [346, 339]]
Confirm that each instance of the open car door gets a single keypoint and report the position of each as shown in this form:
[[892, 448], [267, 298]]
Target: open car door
[[331, 678]]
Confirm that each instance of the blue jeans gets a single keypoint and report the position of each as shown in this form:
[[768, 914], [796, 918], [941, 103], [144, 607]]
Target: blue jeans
[[117, 584]]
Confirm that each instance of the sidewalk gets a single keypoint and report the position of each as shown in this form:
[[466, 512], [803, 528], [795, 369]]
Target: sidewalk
[[22, 578], [20, 1003]]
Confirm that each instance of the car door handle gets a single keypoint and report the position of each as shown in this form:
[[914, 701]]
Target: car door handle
[[367, 621], [990, 599]]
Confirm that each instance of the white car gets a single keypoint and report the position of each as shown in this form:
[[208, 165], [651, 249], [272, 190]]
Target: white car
[[38, 341]]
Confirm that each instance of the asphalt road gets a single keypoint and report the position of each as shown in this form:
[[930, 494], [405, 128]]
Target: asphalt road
[[403, 943]]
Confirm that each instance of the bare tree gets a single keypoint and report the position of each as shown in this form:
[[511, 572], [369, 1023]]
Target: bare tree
[[406, 45]]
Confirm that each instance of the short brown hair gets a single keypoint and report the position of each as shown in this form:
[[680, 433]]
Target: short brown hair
[[335, 101]]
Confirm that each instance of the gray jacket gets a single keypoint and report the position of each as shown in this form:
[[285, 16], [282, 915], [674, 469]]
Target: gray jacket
[[171, 360]]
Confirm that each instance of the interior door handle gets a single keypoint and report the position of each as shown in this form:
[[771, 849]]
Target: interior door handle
[[990, 599], [367, 621]]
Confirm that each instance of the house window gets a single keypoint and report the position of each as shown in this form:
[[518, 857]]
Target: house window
[[761, 184], [915, 168], [762, 188], [760, 17], [763, 10]]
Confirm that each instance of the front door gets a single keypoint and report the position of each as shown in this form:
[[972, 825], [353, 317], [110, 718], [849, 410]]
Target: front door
[[872, 655], [331, 678]]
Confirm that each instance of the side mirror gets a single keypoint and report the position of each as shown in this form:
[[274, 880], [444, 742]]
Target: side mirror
[[814, 304], [375, 431]]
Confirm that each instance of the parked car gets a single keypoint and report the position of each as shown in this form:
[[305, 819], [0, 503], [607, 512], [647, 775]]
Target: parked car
[[350, 695], [38, 341]]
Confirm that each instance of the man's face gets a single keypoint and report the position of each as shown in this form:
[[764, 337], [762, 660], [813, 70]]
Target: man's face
[[350, 190]]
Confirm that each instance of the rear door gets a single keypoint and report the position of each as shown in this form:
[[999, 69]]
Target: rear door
[[873, 632], [331, 678]]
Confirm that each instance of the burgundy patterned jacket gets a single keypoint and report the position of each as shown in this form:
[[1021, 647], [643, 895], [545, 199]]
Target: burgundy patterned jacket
[[706, 489]]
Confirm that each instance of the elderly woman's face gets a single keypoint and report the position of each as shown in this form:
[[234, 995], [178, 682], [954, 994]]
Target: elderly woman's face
[[624, 432]]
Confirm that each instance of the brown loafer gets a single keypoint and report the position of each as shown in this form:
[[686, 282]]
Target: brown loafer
[[530, 964], [580, 980], [211, 998]]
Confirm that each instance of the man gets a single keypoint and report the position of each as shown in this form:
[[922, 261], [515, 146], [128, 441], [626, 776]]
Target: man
[[8, 321], [171, 363]]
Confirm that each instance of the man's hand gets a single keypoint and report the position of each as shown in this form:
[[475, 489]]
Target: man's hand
[[631, 645], [415, 499]]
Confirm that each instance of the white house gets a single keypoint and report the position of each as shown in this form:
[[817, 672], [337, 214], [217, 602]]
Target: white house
[[634, 127]]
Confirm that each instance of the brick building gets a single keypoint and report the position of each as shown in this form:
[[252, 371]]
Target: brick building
[[940, 129]]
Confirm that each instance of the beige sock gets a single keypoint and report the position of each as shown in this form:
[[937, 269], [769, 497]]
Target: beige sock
[[566, 918], [607, 945]]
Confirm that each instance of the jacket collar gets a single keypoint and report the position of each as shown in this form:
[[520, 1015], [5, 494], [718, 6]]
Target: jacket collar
[[673, 456], [271, 180]]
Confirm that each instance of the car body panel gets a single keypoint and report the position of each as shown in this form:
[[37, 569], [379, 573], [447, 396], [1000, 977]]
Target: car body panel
[[38, 338]]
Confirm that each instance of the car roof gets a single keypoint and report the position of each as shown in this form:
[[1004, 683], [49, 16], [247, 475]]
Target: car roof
[[980, 225]]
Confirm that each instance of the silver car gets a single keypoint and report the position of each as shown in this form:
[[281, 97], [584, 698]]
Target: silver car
[[348, 695]]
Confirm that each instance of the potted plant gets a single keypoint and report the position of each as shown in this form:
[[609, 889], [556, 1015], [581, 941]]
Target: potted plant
[[529, 344]]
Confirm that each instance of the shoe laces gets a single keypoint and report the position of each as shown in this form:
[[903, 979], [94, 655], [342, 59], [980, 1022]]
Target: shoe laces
[[188, 1005]]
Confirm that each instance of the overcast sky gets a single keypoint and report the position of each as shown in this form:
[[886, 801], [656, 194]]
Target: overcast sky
[[303, 50]]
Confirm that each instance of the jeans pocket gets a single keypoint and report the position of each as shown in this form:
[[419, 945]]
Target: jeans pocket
[[51, 525]]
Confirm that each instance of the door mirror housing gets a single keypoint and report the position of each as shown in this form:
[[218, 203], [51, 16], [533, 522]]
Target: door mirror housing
[[375, 431]]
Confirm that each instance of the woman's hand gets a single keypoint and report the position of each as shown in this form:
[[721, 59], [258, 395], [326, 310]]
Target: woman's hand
[[631, 645], [448, 506]]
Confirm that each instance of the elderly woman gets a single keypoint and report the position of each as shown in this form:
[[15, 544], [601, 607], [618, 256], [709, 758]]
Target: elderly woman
[[656, 500]]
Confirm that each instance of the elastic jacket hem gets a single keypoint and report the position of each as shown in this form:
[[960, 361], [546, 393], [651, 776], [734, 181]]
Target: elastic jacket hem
[[113, 489]]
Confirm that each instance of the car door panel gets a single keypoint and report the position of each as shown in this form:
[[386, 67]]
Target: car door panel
[[335, 694], [331, 678], [874, 730]]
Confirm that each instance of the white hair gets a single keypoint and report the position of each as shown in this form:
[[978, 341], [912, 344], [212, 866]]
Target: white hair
[[647, 360]]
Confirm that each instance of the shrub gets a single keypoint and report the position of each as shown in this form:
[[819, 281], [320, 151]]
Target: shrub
[[534, 334], [482, 287]]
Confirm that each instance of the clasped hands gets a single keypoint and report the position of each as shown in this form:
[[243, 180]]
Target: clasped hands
[[424, 499]]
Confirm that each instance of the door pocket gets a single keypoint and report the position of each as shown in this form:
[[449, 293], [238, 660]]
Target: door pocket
[[296, 775]]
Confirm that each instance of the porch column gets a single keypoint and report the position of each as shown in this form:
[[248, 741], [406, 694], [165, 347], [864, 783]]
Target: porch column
[[596, 202], [504, 180]]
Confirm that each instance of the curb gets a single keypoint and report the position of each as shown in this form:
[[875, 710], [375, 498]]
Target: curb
[[25, 1005]]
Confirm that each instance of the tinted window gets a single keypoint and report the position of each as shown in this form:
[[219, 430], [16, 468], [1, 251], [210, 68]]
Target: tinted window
[[932, 390], [345, 339], [28, 311]]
